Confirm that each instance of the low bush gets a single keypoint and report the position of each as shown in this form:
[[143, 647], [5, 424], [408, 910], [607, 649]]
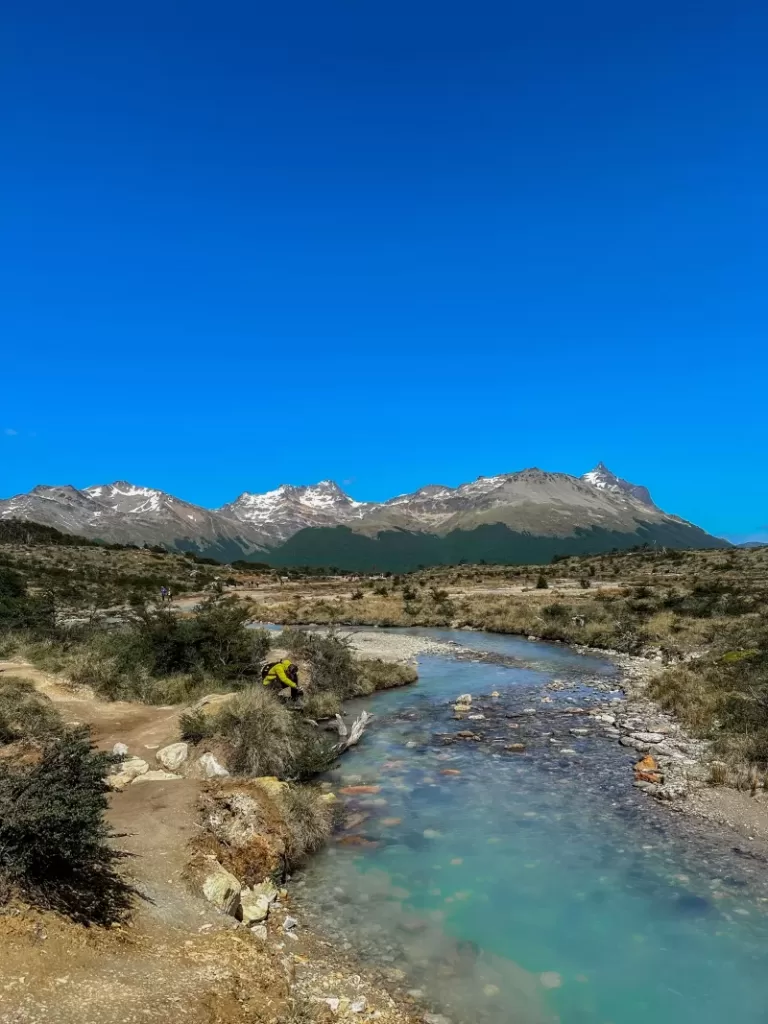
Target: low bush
[[26, 714], [54, 842], [374, 674]]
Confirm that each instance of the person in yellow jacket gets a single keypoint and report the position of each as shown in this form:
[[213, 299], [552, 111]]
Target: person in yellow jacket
[[284, 673]]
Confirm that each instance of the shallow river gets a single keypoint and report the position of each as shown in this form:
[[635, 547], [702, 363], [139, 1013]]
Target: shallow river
[[536, 886]]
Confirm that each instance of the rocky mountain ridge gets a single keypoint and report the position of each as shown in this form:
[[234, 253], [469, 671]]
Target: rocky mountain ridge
[[531, 502]]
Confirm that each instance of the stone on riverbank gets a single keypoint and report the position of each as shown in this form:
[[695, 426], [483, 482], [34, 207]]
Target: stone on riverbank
[[222, 889]]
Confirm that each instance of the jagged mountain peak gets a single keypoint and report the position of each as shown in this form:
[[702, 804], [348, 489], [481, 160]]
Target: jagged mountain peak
[[602, 478]]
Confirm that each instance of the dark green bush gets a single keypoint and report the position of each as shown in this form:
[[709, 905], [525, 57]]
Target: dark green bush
[[54, 842]]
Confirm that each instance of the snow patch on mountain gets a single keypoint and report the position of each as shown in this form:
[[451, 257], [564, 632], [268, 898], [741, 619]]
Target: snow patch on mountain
[[602, 478]]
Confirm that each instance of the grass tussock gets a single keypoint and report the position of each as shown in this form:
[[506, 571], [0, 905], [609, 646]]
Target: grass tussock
[[259, 735]]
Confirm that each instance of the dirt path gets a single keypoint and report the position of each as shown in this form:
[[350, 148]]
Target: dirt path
[[177, 960]]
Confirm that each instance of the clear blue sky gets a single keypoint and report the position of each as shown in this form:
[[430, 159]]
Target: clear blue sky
[[392, 244]]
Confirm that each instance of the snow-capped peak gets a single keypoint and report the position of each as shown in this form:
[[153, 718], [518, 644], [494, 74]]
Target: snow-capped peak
[[602, 478]]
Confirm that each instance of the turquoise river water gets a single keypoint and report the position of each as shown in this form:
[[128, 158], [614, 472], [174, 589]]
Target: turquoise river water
[[518, 888]]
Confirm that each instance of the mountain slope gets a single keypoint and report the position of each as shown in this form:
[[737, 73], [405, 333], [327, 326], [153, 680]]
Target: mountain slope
[[515, 517], [121, 513], [278, 514]]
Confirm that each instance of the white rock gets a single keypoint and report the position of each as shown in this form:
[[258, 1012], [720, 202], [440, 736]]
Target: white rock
[[158, 775], [359, 1005], [465, 698], [260, 932], [333, 1003], [289, 924], [120, 749], [173, 756], [579, 732], [129, 770], [211, 767], [222, 889], [438, 1018], [255, 906]]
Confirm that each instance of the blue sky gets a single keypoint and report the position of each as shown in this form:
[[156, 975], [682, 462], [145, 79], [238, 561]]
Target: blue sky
[[388, 244]]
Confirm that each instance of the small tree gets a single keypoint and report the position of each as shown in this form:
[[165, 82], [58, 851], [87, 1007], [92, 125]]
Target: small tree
[[54, 841], [541, 582]]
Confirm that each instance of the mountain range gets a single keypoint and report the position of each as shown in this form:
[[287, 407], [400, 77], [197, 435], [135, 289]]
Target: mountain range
[[521, 517]]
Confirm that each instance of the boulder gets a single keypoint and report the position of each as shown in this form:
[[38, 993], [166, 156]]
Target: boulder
[[120, 749], [173, 756], [254, 907], [259, 931], [222, 889], [158, 775], [465, 698], [211, 767], [130, 769]]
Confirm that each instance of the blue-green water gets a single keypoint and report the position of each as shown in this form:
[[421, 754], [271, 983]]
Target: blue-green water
[[538, 886]]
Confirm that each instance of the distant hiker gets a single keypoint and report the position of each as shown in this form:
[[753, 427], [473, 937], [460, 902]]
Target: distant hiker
[[163, 593], [283, 672]]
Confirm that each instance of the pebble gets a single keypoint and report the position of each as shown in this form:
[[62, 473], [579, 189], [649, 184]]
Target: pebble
[[290, 923]]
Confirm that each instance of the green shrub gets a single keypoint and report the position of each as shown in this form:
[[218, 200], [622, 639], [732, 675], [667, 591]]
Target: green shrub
[[374, 674], [54, 842], [541, 582]]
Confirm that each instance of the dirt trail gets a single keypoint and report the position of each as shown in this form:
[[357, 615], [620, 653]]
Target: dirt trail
[[178, 960], [150, 964]]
